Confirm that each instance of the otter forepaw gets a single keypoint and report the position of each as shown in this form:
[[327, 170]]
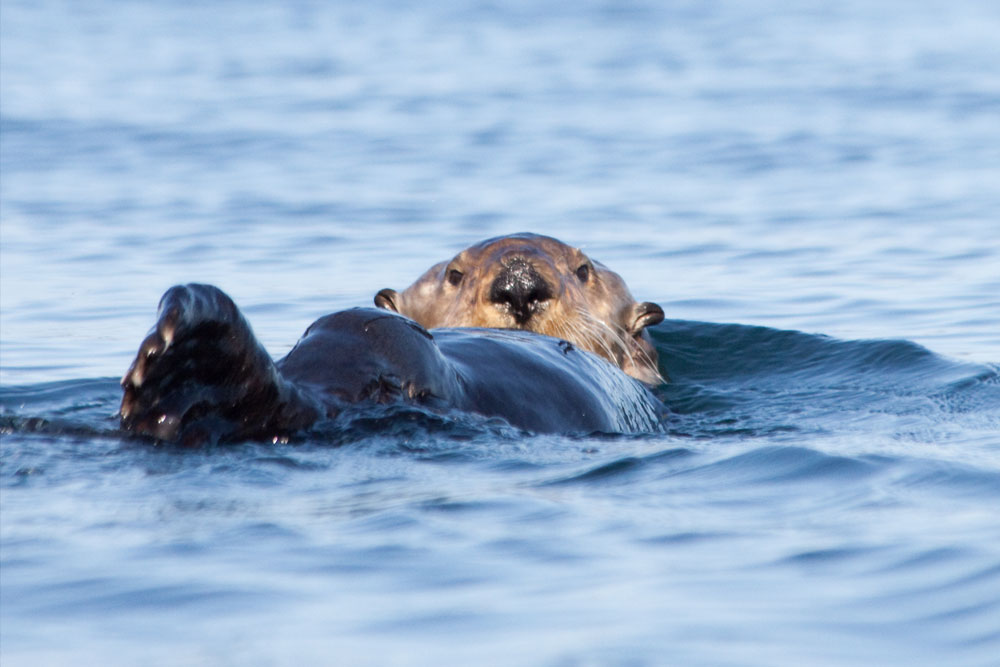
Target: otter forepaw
[[199, 372]]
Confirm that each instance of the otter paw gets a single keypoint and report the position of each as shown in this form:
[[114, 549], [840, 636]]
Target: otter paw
[[193, 370]]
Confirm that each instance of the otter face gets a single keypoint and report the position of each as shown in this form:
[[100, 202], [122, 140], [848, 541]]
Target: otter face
[[536, 283]]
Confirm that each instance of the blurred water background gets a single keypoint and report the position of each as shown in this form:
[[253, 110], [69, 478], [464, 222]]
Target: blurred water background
[[809, 189]]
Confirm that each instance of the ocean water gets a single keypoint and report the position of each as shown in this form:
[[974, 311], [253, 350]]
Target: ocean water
[[809, 189]]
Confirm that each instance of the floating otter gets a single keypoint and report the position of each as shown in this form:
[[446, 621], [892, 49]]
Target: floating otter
[[202, 376]]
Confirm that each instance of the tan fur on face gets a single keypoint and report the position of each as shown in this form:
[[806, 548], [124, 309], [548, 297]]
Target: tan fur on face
[[590, 305]]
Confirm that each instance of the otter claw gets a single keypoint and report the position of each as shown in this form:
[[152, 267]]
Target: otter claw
[[167, 336]]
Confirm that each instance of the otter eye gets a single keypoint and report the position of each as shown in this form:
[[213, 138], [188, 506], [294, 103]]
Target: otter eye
[[455, 277], [583, 273]]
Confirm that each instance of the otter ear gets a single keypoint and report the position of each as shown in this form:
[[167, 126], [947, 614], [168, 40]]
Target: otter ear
[[644, 315], [387, 299]]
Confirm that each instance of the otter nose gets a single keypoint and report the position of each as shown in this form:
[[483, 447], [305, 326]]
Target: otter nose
[[521, 288]]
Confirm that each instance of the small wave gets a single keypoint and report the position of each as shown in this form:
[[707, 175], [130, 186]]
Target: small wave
[[771, 465], [735, 354], [750, 381], [623, 469], [950, 479]]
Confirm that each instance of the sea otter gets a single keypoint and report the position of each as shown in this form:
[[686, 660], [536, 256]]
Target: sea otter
[[201, 375]]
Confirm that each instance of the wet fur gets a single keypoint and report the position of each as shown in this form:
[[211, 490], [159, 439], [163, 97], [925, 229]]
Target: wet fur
[[201, 376], [590, 305]]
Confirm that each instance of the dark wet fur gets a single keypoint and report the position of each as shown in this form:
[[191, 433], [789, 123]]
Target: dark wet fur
[[201, 376]]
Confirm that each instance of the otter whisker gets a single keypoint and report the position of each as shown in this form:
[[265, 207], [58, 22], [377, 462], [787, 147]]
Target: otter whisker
[[595, 341], [644, 357], [592, 328], [622, 340]]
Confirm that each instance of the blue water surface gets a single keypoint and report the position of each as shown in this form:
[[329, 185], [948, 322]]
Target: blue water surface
[[809, 189]]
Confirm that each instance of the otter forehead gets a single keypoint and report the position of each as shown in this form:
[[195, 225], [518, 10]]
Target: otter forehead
[[525, 244], [521, 237]]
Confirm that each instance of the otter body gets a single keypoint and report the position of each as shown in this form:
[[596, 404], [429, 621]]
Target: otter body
[[202, 376]]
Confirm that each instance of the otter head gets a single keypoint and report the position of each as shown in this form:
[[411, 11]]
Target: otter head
[[536, 283]]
